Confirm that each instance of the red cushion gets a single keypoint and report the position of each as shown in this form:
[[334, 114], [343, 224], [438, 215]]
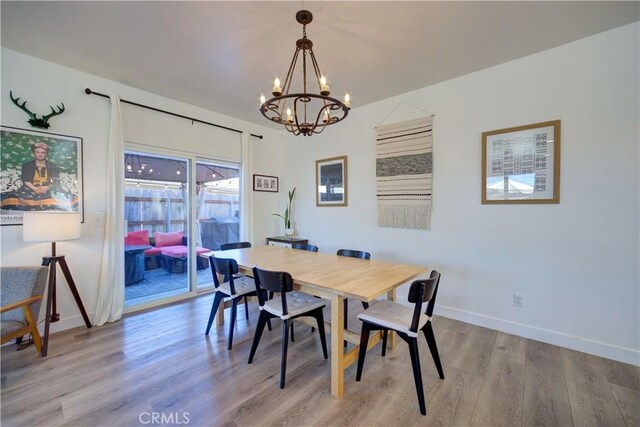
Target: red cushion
[[152, 252], [168, 239], [137, 238], [180, 251]]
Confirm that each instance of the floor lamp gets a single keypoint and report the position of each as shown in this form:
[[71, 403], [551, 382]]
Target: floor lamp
[[54, 226]]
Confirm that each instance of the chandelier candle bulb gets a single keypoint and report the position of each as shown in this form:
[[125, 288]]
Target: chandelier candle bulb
[[289, 115], [277, 90], [347, 100], [262, 99], [324, 87]]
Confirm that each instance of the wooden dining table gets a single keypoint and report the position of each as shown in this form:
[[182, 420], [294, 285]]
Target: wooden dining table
[[333, 278]]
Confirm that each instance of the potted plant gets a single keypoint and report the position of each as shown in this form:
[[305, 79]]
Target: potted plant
[[288, 230]]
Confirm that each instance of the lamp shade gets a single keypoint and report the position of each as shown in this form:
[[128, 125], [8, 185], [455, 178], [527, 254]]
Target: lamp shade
[[50, 226]]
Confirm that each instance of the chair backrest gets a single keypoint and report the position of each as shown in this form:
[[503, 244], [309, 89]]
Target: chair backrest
[[20, 283], [302, 246], [432, 300], [354, 253], [234, 245], [226, 267], [422, 291], [273, 281]]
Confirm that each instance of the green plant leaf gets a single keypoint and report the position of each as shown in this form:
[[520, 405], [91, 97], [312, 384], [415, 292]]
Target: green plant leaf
[[287, 211]]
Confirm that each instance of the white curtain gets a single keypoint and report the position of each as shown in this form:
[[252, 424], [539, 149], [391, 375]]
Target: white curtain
[[246, 205], [111, 283]]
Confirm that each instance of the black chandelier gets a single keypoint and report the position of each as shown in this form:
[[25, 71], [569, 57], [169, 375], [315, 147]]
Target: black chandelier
[[312, 112]]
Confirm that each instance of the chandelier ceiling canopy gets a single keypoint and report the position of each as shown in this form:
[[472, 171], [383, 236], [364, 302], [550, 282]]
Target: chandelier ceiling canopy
[[306, 112]]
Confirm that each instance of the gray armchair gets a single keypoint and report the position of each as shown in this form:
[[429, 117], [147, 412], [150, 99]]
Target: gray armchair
[[21, 294]]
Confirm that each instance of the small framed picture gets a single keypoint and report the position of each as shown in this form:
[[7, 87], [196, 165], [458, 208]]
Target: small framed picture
[[331, 181], [521, 165], [265, 183]]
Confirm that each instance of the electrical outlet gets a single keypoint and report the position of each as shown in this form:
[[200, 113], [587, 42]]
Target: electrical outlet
[[518, 300]]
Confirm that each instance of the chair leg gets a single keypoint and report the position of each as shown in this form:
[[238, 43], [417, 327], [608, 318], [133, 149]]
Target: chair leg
[[292, 339], [323, 338], [417, 375], [385, 335], [365, 305], [364, 341], [346, 313], [269, 323], [214, 309], [346, 317], [431, 341], [33, 328], [246, 307], [232, 322], [262, 320], [285, 347]]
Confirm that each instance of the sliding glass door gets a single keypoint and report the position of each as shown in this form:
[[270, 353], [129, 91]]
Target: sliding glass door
[[157, 217], [217, 208], [162, 244]]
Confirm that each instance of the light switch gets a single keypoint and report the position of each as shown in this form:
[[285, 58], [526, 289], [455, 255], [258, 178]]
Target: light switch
[[99, 221]]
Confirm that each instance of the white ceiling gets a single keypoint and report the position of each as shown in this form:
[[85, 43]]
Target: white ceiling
[[222, 55]]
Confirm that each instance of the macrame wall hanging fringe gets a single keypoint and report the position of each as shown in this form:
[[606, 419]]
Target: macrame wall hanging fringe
[[404, 166]]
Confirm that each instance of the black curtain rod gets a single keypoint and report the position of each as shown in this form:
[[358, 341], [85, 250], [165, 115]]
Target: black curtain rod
[[90, 92]]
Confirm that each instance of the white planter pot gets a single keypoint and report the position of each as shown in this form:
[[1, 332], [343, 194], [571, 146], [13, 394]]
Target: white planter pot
[[288, 232]]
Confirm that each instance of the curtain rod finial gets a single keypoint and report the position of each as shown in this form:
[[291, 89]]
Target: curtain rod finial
[[87, 91]]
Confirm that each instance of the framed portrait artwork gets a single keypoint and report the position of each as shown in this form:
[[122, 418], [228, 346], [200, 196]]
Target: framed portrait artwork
[[265, 183], [521, 165], [39, 171], [331, 181]]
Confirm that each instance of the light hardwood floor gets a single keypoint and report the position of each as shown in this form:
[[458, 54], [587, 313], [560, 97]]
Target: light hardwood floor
[[160, 361]]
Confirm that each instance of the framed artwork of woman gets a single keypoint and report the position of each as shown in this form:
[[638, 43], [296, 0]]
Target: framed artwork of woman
[[39, 171]]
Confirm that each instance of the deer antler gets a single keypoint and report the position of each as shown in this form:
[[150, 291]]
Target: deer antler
[[54, 112], [22, 107], [34, 120]]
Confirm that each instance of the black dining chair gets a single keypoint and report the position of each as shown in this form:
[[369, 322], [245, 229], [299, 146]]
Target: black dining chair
[[407, 322], [287, 305], [234, 245], [235, 286], [353, 254], [302, 246], [238, 245]]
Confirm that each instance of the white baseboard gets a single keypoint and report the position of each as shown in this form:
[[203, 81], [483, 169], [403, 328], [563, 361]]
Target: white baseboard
[[77, 321], [597, 348], [64, 323], [609, 351]]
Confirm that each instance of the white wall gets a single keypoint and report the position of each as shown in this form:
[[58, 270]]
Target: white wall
[[577, 262], [43, 83]]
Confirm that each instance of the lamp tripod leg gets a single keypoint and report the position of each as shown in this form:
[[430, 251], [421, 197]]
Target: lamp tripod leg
[[74, 291], [51, 315], [50, 293]]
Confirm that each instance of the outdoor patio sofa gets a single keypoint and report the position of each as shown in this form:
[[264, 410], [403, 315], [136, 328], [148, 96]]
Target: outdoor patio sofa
[[167, 250]]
